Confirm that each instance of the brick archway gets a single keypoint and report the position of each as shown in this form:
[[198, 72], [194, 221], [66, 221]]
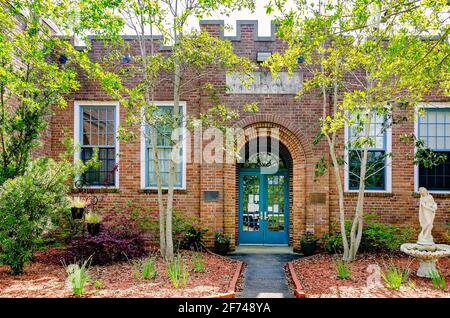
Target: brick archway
[[298, 181]]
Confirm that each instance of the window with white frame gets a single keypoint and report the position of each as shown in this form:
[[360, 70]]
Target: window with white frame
[[434, 130], [97, 125], [165, 148], [378, 169]]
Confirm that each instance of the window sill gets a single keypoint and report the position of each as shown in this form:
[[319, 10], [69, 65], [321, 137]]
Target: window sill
[[369, 194], [96, 190], [164, 191]]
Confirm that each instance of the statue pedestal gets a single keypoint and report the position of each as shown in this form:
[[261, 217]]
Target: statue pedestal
[[426, 267]]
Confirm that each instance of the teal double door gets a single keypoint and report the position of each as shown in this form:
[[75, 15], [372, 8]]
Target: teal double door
[[263, 207]]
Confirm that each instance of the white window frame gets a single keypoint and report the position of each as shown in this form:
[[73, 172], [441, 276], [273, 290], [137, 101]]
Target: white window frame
[[77, 124], [388, 166], [416, 133], [143, 149]]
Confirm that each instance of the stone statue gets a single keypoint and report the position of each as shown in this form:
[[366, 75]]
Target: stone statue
[[427, 211]]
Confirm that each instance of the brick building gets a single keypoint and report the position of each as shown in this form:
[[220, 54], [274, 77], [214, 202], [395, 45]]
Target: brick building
[[254, 207]]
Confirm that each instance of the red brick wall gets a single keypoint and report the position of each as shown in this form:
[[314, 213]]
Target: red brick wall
[[298, 122]]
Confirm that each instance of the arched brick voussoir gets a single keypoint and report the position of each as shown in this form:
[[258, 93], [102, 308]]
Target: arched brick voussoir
[[295, 142], [290, 133]]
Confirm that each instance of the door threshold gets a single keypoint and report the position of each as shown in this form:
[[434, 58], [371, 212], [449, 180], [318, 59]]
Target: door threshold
[[263, 249]]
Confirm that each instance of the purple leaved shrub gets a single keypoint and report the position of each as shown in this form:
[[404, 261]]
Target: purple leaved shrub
[[109, 246]]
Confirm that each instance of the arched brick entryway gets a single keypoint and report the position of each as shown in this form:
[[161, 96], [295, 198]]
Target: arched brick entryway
[[259, 126]]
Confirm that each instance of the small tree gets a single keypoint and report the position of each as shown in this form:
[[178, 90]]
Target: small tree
[[373, 57], [37, 71], [194, 56]]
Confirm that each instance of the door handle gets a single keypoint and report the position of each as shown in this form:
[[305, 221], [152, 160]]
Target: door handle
[[264, 215]]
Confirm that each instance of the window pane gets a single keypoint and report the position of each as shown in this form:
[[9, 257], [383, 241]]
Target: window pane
[[96, 128], [434, 128], [165, 147], [105, 173], [437, 177], [440, 117], [377, 131], [440, 143], [375, 176]]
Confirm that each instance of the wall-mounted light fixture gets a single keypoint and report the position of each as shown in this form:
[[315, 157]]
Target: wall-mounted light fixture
[[126, 58], [262, 56], [62, 59]]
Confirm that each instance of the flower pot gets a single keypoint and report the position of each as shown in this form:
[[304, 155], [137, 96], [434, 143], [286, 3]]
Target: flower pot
[[77, 213], [93, 228], [308, 247], [221, 248]]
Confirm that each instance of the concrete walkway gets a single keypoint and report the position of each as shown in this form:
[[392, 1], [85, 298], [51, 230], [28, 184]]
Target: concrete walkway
[[264, 275]]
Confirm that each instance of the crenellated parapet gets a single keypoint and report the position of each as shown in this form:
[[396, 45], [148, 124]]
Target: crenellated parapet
[[240, 26], [245, 29]]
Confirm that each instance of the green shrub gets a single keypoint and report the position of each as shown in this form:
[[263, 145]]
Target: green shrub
[[28, 205], [177, 271], [376, 237], [438, 280], [342, 269], [188, 233]]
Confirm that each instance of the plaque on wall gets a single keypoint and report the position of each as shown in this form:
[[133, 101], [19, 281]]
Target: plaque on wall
[[318, 198], [264, 83], [210, 196]]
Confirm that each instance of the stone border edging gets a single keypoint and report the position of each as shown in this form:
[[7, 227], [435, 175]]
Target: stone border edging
[[298, 291]]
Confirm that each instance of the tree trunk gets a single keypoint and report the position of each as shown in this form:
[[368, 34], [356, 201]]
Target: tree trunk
[[175, 151], [357, 225]]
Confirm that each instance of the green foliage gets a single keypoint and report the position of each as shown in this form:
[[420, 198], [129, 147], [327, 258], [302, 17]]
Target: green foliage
[[342, 269], [320, 168], [369, 57], [438, 280], [146, 269], [98, 284], [425, 156], [376, 236], [93, 217], [394, 276], [27, 93], [77, 276], [28, 205], [188, 232], [177, 271], [221, 238], [77, 202], [199, 264]]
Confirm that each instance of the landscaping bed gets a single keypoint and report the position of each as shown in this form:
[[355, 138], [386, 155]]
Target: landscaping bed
[[46, 277], [318, 277]]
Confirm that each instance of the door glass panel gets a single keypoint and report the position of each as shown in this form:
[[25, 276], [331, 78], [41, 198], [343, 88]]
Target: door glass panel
[[250, 208], [275, 203]]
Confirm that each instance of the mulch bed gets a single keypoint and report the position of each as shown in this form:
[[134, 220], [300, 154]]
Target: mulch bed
[[318, 277], [45, 277]]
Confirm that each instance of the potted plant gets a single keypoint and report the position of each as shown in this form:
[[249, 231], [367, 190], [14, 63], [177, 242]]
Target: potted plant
[[93, 222], [308, 243], [221, 243], [77, 205]]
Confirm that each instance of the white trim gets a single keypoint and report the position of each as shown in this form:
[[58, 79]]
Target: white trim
[[416, 133], [76, 139], [388, 166], [142, 154]]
